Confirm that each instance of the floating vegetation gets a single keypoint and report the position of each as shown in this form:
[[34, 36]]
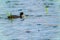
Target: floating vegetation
[[8, 13], [46, 9]]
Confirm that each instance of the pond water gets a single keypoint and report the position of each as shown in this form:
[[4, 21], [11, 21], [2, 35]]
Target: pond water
[[39, 25]]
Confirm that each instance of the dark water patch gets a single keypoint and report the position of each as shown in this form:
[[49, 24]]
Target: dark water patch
[[52, 26], [20, 10], [22, 19], [39, 16], [21, 4], [18, 4], [15, 39], [0, 17], [51, 0], [15, 1], [12, 1], [8, 1], [51, 4], [38, 30], [29, 15], [47, 6], [28, 31], [11, 7], [38, 24], [30, 10], [47, 15], [55, 26], [26, 15], [43, 0], [46, 39]]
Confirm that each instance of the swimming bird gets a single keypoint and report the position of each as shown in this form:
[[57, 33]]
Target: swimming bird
[[16, 16]]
